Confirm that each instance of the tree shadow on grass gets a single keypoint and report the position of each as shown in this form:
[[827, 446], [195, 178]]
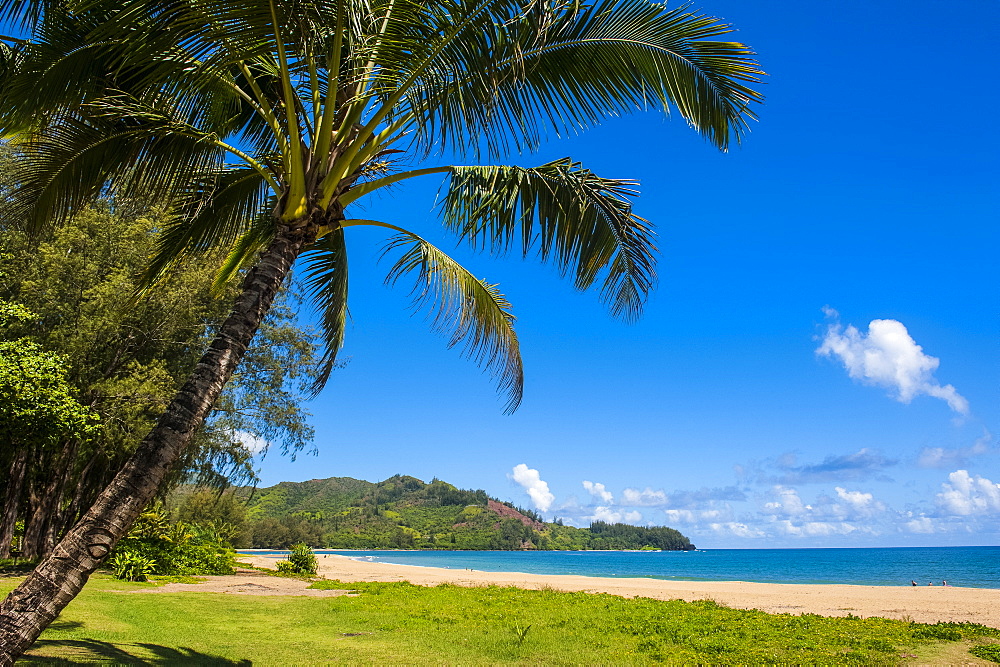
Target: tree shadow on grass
[[92, 650]]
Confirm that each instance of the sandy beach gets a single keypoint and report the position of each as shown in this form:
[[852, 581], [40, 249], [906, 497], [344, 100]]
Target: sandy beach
[[927, 604]]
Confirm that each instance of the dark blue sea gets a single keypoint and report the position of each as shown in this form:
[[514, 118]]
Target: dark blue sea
[[976, 567]]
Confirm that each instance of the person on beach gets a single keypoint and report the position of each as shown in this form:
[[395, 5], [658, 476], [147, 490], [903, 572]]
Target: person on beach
[[912, 582]]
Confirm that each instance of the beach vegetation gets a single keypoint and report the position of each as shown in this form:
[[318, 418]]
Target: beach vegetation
[[989, 652], [167, 548], [399, 623], [301, 560], [263, 123], [130, 566]]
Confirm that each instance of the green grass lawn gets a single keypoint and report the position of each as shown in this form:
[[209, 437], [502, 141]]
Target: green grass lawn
[[402, 624]]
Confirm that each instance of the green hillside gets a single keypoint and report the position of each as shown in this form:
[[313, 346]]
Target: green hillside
[[401, 512]]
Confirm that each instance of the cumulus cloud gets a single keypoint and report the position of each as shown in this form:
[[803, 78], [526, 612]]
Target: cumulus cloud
[[888, 357], [940, 457], [856, 504], [251, 442], [923, 525], [645, 498], [965, 495], [851, 511], [598, 490], [536, 488], [788, 503], [614, 516]]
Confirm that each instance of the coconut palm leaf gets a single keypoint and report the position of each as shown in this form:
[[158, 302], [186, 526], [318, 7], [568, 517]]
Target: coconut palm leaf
[[469, 311], [566, 214], [226, 208], [325, 277], [571, 65]]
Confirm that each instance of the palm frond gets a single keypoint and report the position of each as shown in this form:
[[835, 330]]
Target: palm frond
[[469, 311], [217, 210], [566, 214], [245, 251], [576, 64], [325, 277]]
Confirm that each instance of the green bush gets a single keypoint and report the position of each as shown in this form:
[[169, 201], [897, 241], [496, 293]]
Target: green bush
[[173, 558], [989, 652], [178, 548], [130, 566], [301, 560]]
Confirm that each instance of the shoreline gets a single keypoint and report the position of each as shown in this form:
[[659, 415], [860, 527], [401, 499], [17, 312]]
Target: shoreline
[[925, 604]]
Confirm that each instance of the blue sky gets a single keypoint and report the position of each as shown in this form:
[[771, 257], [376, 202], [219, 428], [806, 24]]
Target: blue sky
[[752, 406]]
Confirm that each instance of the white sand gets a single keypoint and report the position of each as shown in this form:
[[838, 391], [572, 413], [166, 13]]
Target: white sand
[[927, 604]]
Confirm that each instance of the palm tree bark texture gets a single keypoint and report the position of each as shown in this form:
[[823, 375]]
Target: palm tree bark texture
[[259, 123], [59, 578]]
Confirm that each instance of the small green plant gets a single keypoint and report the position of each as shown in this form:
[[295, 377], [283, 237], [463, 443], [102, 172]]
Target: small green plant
[[301, 560], [989, 652], [521, 633], [130, 566]]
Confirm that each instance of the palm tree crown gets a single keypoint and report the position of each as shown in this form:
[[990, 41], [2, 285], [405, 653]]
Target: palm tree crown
[[262, 117]]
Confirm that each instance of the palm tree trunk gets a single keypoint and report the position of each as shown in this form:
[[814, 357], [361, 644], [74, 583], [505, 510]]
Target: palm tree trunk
[[34, 604]]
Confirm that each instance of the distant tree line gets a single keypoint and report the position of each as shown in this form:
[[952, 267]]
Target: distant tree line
[[626, 536], [401, 512]]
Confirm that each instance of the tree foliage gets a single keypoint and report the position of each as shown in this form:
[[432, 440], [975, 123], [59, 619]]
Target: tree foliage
[[38, 408], [123, 358]]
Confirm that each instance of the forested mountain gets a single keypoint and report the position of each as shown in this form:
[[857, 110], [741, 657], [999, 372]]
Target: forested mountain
[[400, 512]]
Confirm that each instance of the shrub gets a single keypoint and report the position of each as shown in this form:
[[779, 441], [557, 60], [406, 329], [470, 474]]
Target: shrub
[[989, 652], [130, 566], [176, 549], [301, 560], [186, 558]]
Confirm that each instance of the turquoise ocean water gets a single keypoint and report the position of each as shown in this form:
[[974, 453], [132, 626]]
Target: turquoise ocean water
[[977, 567]]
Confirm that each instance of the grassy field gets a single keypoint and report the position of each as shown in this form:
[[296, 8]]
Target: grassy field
[[402, 624]]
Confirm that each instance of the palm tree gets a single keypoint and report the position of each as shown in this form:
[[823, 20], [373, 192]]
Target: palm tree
[[261, 122]]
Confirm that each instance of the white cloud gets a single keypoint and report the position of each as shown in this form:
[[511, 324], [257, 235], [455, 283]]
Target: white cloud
[[613, 516], [920, 525], [788, 503], [940, 457], [537, 489], [966, 495], [251, 442], [597, 490], [815, 528], [698, 516], [736, 528], [856, 503], [645, 498], [888, 357]]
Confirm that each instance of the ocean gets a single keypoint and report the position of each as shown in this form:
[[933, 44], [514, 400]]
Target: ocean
[[975, 567]]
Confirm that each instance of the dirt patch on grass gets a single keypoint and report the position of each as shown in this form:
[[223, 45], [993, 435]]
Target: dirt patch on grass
[[247, 583]]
